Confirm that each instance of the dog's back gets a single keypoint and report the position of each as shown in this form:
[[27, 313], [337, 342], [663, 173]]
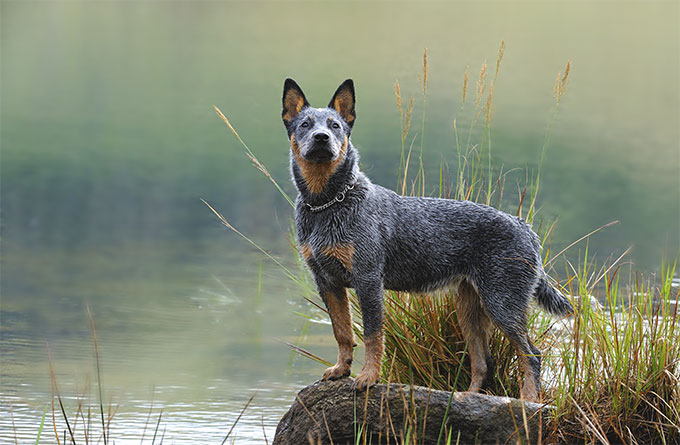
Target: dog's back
[[440, 240]]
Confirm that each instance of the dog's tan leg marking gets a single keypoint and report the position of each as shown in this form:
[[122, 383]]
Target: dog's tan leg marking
[[341, 318], [529, 391], [475, 325], [343, 252], [374, 352], [477, 362], [316, 176], [306, 252]]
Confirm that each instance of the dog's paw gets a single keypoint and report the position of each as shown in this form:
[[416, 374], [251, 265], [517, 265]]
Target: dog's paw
[[366, 378], [337, 371]]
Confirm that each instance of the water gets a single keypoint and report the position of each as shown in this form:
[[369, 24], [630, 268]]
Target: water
[[109, 141]]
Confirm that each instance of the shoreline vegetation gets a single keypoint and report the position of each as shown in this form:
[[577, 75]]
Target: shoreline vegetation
[[612, 370]]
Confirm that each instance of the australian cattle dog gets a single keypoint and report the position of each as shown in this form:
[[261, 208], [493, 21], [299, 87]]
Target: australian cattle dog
[[355, 234]]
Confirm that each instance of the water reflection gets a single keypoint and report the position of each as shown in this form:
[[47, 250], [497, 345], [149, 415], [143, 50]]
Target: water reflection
[[176, 334]]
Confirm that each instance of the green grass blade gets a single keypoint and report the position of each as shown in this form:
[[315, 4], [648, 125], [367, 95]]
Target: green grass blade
[[42, 424]]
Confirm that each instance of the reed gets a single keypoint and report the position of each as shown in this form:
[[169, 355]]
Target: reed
[[405, 119], [421, 168], [559, 91]]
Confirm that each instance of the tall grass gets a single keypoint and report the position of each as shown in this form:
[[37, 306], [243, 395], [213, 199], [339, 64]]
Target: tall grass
[[613, 377], [621, 361], [611, 370]]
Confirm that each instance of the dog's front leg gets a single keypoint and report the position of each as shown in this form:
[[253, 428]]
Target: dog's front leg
[[337, 304], [371, 301]]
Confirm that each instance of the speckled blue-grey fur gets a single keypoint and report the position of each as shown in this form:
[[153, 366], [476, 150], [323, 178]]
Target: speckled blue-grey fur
[[410, 243]]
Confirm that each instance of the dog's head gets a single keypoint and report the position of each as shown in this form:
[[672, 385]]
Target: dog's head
[[318, 135]]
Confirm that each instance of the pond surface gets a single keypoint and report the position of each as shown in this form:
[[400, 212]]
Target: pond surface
[[109, 141]]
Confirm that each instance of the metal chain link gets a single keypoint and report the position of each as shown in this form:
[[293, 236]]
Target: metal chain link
[[338, 198]]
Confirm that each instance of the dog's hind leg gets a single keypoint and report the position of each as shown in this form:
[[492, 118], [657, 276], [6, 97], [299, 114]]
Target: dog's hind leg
[[531, 368], [530, 363], [337, 304], [508, 312], [475, 325]]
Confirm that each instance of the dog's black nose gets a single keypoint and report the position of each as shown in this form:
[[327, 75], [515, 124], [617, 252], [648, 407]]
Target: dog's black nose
[[321, 137]]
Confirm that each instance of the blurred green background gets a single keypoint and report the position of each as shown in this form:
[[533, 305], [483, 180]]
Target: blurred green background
[[109, 140]]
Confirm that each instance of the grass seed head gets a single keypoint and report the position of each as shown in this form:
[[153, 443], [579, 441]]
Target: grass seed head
[[481, 84], [397, 93], [425, 71], [501, 51], [489, 100], [465, 81]]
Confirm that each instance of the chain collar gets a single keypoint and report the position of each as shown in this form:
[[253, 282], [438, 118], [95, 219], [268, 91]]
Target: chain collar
[[338, 198]]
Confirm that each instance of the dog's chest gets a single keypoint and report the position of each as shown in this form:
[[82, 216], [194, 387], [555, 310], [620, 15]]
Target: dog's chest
[[327, 246]]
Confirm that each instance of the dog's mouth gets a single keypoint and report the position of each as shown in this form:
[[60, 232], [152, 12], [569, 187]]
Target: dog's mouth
[[319, 154]]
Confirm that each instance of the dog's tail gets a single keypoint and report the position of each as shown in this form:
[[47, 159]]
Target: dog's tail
[[551, 299]]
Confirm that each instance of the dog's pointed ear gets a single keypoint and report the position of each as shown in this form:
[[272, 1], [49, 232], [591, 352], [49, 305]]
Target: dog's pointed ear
[[343, 101], [293, 101]]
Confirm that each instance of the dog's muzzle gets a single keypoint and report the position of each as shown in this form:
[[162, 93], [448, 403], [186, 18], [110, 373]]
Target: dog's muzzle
[[321, 150]]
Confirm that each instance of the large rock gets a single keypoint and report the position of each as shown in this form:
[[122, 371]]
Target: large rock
[[333, 411]]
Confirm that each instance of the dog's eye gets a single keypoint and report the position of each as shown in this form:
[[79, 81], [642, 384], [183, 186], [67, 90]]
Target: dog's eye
[[335, 125], [305, 124]]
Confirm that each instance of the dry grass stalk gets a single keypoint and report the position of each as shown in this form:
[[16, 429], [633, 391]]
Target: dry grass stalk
[[488, 112], [425, 72], [405, 115], [55, 389], [226, 121], [245, 407], [260, 166], [562, 82], [566, 74], [481, 84], [501, 51], [465, 81], [481, 87], [406, 164], [226, 223], [489, 100], [253, 158], [397, 93], [408, 118]]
